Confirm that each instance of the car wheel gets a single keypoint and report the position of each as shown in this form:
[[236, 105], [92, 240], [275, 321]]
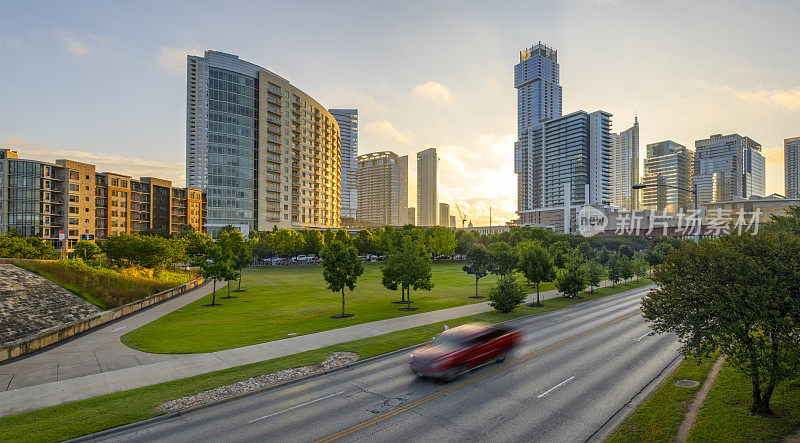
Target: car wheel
[[501, 358], [451, 374]]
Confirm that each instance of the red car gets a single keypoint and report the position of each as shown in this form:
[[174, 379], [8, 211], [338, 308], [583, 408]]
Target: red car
[[460, 349]]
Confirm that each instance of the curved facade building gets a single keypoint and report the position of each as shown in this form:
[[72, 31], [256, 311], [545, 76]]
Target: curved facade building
[[266, 152]]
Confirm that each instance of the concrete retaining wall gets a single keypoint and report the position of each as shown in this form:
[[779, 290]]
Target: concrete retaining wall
[[58, 333]]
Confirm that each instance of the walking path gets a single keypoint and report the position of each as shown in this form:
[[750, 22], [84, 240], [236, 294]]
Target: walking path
[[97, 363], [691, 414]]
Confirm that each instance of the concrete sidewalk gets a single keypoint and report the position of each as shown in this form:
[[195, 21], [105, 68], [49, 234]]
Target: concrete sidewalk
[[113, 367]]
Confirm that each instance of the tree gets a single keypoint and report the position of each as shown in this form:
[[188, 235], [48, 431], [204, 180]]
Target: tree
[[408, 267], [241, 256], [314, 241], [625, 250], [343, 236], [789, 222], [328, 236], [364, 242], [85, 250], [503, 258], [464, 241], [594, 274], [216, 265], [571, 280], [195, 243], [507, 295], [477, 264], [559, 253], [441, 241], [614, 270], [287, 242], [341, 267], [639, 265], [737, 295], [535, 264], [149, 251], [603, 256], [626, 270]]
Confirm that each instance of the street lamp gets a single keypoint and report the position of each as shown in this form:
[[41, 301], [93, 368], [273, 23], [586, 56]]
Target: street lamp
[[694, 195]]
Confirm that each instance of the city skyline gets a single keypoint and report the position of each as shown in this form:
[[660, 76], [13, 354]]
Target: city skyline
[[675, 84]]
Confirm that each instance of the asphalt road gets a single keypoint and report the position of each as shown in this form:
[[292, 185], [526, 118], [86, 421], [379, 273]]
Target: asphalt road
[[576, 369]]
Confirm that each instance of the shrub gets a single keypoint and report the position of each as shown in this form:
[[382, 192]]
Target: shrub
[[104, 287], [507, 295]]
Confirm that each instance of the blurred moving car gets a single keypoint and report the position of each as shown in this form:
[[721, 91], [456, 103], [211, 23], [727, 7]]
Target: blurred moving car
[[463, 348]]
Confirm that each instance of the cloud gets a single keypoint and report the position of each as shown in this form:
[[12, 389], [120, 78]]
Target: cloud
[[385, 131], [132, 166], [788, 99], [173, 60], [10, 42], [73, 45], [432, 92]]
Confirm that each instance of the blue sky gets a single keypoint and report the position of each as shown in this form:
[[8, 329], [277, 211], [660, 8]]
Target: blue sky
[[104, 82]]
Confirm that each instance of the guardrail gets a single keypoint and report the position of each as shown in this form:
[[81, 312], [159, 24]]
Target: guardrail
[[58, 333]]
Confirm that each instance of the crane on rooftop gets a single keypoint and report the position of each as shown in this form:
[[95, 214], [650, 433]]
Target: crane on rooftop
[[462, 216]]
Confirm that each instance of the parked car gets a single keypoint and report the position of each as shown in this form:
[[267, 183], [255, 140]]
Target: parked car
[[461, 349]]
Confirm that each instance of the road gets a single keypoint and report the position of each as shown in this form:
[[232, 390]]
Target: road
[[577, 368]]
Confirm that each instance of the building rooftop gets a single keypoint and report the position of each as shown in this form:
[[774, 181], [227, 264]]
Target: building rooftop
[[539, 49]]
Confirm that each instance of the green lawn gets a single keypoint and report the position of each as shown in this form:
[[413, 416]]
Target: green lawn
[[280, 301], [725, 415], [83, 417], [658, 418]]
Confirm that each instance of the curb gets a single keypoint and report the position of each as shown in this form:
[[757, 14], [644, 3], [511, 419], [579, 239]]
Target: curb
[[170, 415]]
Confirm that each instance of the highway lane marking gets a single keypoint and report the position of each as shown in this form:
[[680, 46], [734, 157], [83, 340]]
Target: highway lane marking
[[470, 381], [296, 406], [555, 387], [640, 338]]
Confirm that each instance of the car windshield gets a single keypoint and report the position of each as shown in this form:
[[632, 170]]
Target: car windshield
[[450, 339]]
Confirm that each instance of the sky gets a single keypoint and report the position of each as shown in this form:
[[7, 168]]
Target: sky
[[105, 82]]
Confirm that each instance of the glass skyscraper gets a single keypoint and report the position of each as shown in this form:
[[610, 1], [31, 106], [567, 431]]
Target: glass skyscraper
[[348, 130], [728, 166]]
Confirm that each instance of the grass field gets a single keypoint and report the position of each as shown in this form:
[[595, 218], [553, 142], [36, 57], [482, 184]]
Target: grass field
[[725, 415], [84, 417], [280, 301], [658, 418]]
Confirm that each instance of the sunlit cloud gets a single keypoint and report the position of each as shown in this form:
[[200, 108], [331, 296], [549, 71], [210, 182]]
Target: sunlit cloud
[[81, 47], [132, 166], [384, 131], [432, 92], [173, 60], [788, 99]]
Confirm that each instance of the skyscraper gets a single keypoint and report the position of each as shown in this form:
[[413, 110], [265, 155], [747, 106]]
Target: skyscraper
[[348, 131], [402, 192], [266, 152], [444, 215], [625, 167], [379, 177], [667, 163], [427, 187], [573, 151], [791, 152], [727, 166], [536, 78]]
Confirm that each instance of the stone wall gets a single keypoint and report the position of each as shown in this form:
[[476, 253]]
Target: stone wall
[[72, 325]]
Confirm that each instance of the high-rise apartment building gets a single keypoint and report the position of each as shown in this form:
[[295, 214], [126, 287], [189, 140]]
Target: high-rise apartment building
[[45, 199], [444, 215], [427, 187], [625, 167], [667, 164], [411, 216], [266, 153], [791, 152], [572, 151], [348, 132], [728, 166], [402, 194], [536, 78], [453, 221], [379, 179]]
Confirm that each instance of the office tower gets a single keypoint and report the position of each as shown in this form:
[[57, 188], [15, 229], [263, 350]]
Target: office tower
[[444, 214], [453, 221], [791, 152], [625, 167], [727, 166], [44, 199], [410, 216], [427, 187], [378, 178], [267, 154], [667, 163], [572, 151], [348, 132], [402, 193]]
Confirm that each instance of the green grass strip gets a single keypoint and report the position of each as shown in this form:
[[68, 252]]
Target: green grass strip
[[83, 417]]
